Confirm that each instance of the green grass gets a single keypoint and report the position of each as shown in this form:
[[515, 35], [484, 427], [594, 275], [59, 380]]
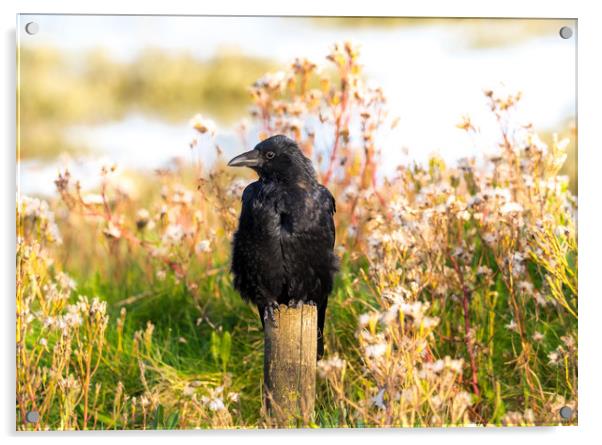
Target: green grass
[[170, 308], [182, 338]]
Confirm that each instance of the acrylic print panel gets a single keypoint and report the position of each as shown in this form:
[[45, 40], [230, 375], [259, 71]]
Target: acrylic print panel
[[449, 146]]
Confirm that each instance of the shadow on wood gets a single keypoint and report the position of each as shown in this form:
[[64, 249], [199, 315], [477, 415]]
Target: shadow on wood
[[290, 349]]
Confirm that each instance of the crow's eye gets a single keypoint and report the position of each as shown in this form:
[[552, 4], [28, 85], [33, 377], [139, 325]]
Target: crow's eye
[[270, 155]]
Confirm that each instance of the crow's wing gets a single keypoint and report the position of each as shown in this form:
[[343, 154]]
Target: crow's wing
[[242, 247], [256, 254], [329, 208]]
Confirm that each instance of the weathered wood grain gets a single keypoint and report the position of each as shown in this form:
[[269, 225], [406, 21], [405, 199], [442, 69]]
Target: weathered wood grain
[[290, 365]]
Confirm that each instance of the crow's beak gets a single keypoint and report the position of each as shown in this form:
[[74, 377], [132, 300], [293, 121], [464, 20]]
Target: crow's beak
[[248, 159]]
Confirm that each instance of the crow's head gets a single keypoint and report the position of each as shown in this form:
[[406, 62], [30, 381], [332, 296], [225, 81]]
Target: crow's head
[[277, 158]]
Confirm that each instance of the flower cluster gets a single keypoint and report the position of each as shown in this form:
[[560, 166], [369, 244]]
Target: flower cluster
[[465, 239], [59, 345]]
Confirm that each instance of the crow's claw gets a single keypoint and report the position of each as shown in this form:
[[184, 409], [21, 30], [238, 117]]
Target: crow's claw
[[295, 303], [270, 311], [311, 303]]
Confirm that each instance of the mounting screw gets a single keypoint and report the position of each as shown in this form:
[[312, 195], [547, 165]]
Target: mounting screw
[[566, 32], [32, 28], [32, 417], [566, 412]]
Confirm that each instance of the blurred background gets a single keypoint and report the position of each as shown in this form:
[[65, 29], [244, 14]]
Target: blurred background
[[100, 89]]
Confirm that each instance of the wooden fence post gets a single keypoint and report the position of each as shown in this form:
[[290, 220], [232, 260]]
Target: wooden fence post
[[290, 349]]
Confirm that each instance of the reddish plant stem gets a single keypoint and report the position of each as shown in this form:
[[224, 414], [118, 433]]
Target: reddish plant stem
[[337, 132], [86, 388], [368, 162], [468, 338], [375, 169], [469, 341], [132, 239], [381, 199], [333, 153]]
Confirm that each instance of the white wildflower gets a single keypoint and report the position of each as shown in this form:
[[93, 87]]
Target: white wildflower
[[569, 341], [93, 199], [173, 234], [65, 281], [511, 207], [375, 351], [539, 298], [525, 287], [455, 365], [142, 218], [203, 247], [484, 270], [490, 238], [368, 318], [188, 391], [112, 231], [378, 399], [330, 365], [512, 326], [553, 357], [216, 404], [203, 125]]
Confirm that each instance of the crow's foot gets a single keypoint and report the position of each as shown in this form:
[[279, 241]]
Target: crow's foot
[[295, 303], [270, 311]]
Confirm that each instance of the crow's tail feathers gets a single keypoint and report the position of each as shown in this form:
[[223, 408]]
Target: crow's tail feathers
[[320, 344], [321, 320]]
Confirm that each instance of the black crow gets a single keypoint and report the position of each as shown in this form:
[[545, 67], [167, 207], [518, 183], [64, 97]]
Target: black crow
[[283, 249]]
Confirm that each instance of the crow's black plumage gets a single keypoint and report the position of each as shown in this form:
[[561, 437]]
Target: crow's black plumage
[[283, 249]]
